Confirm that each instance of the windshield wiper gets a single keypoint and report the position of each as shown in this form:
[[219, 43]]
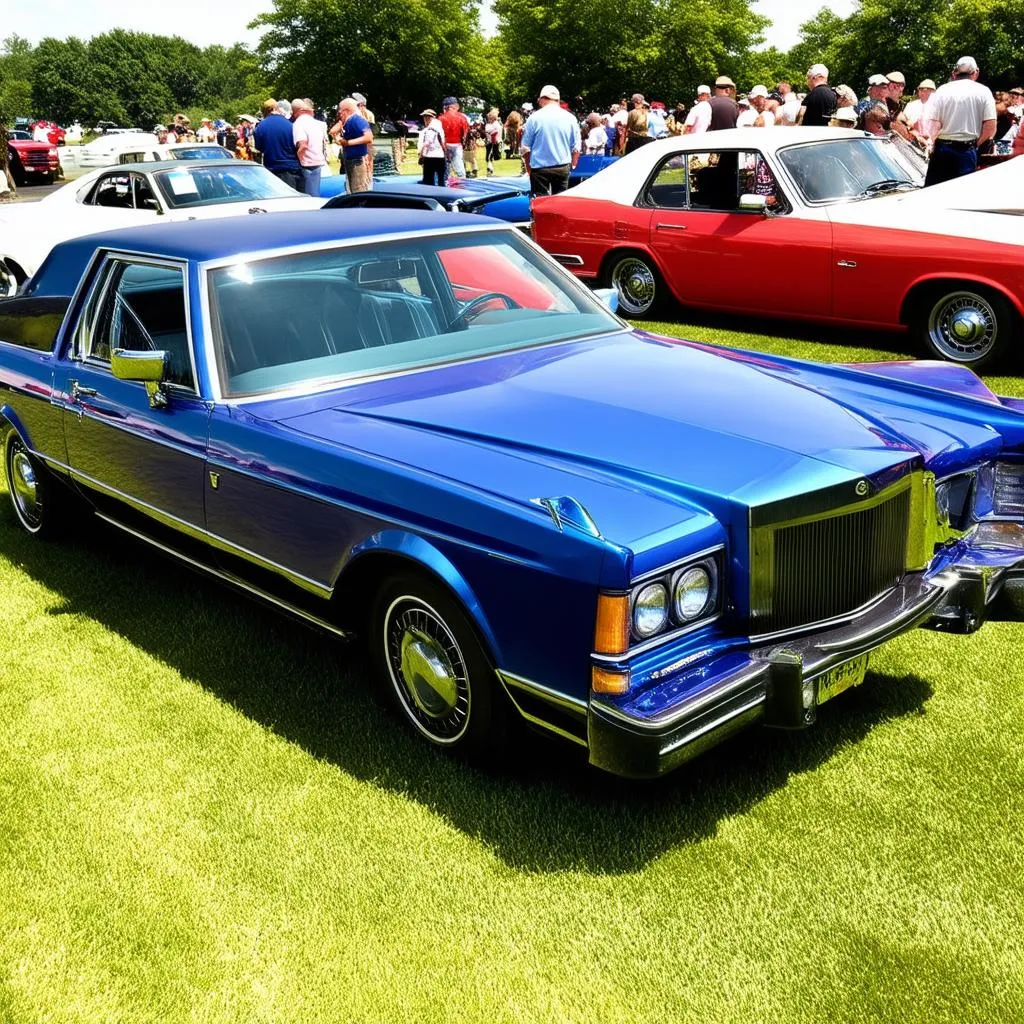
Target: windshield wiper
[[888, 185]]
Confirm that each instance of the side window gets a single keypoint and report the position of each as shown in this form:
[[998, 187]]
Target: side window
[[718, 180], [142, 308], [144, 197], [113, 190], [668, 189]]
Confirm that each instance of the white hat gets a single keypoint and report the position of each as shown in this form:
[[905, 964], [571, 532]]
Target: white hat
[[927, 83], [549, 92], [701, 89], [878, 80], [359, 98], [966, 66], [817, 71], [743, 102], [846, 114], [758, 90]]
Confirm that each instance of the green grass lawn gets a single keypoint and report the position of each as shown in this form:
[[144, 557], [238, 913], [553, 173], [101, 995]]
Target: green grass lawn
[[204, 816]]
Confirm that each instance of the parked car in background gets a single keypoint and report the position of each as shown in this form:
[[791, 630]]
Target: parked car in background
[[31, 161], [54, 133], [176, 151], [422, 430], [707, 221], [136, 194], [105, 151]]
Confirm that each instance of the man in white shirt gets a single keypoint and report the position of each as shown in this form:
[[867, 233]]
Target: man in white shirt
[[789, 112], [959, 118], [699, 118], [758, 96]]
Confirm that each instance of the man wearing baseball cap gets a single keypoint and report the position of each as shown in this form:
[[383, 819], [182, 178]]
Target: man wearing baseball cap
[[551, 144], [878, 93], [699, 118], [820, 102], [960, 117], [913, 113]]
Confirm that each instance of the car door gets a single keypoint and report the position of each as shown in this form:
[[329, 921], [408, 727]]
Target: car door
[[119, 448], [723, 257], [119, 199]]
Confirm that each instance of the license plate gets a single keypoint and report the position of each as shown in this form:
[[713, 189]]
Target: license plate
[[842, 677]]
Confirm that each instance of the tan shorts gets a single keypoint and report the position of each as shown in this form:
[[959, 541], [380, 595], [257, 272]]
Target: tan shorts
[[357, 175]]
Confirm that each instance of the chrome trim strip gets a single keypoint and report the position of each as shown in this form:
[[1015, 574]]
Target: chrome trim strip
[[782, 634], [672, 566], [229, 578], [199, 533], [567, 259], [650, 645], [690, 737], [544, 692], [151, 438]]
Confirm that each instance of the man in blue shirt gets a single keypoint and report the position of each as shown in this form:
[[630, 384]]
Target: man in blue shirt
[[354, 135], [273, 138], [551, 145]]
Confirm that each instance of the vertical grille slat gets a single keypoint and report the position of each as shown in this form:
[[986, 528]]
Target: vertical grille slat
[[834, 565]]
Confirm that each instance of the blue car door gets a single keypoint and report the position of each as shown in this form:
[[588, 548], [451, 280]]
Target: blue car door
[[127, 454]]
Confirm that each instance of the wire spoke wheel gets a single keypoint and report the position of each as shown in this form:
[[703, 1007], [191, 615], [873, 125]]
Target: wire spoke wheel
[[636, 283], [23, 485], [963, 327], [427, 670]]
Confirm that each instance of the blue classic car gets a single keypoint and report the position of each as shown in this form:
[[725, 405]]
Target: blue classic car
[[434, 436]]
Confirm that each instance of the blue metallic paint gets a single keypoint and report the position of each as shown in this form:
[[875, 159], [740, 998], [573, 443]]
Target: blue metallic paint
[[672, 448]]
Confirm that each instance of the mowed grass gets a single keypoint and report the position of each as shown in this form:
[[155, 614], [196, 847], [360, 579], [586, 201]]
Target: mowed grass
[[205, 816]]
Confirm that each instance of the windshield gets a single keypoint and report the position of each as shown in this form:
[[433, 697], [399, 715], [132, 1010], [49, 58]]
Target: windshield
[[351, 312], [847, 168], [203, 186]]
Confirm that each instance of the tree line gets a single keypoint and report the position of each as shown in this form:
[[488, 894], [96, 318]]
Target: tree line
[[404, 54]]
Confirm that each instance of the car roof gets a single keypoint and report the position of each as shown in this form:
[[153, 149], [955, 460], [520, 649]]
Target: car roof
[[222, 237], [152, 166]]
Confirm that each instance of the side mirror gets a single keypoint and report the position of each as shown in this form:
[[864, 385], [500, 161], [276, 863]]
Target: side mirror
[[753, 204], [608, 297], [149, 368]]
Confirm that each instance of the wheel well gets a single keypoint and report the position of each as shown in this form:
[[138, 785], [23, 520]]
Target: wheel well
[[921, 291], [15, 268], [615, 254]]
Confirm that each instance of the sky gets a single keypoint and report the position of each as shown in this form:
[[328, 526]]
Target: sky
[[205, 23]]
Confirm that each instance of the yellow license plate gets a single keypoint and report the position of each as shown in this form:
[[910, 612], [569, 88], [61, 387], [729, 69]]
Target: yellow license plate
[[842, 677]]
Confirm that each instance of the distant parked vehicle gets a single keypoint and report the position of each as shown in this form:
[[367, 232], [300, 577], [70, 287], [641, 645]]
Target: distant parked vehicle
[[30, 160]]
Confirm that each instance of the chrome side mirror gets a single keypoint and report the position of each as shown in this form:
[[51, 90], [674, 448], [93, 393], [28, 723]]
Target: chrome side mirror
[[149, 368], [608, 297], [753, 204]]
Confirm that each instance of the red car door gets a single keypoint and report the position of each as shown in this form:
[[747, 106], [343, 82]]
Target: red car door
[[717, 256]]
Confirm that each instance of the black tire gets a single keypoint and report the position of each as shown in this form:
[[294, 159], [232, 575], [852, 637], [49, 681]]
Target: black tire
[[642, 292], [9, 281], [35, 496], [427, 657], [965, 324]]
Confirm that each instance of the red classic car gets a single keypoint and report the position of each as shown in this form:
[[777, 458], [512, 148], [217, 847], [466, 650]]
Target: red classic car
[[28, 158], [820, 224]]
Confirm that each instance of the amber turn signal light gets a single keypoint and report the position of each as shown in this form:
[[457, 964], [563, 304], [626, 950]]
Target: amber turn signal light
[[611, 634], [610, 681]]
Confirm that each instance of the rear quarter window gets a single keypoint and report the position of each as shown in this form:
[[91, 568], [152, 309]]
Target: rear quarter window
[[31, 322]]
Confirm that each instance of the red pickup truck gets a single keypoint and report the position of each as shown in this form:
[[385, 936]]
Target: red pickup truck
[[38, 159]]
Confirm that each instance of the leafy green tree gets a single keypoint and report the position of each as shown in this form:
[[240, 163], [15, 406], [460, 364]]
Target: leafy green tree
[[399, 53], [63, 89], [15, 78]]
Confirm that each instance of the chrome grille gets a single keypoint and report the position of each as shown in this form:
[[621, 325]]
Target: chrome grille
[[1008, 499], [833, 565]]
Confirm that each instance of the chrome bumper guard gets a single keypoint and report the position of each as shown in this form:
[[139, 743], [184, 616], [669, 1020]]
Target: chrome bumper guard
[[776, 683]]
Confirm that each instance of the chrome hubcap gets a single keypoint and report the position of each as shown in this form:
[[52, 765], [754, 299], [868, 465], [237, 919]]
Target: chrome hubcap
[[634, 281], [24, 486], [963, 327], [428, 670]]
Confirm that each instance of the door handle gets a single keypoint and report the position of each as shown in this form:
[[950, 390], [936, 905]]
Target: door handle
[[670, 227], [77, 391], [847, 263]]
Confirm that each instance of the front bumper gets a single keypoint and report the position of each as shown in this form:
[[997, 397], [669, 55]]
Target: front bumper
[[680, 716]]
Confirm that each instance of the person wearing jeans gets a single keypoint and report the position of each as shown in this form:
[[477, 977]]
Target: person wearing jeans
[[431, 149], [551, 145], [310, 136]]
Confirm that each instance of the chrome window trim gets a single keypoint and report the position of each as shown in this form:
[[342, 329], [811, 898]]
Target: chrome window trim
[[97, 296], [568, 280], [671, 567]]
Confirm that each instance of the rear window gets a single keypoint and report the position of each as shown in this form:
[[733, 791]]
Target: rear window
[[32, 322]]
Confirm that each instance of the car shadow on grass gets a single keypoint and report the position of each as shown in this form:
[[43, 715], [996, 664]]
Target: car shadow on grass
[[546, 811]]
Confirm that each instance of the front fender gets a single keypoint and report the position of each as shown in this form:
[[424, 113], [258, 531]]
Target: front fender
[[422, 553], [9, 418], [924, 280]]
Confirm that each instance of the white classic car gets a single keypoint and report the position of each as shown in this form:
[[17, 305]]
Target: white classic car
[[175, 151], [136, 194], [104, 151]]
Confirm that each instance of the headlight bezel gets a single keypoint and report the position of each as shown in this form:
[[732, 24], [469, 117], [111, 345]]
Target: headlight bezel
[[634, 602], [712, 561]]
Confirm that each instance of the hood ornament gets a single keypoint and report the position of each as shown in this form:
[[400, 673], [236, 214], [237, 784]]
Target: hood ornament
[[567, 511]]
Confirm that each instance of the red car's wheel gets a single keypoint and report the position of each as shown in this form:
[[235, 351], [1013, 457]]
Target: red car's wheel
[[635, 277], [965, 324]]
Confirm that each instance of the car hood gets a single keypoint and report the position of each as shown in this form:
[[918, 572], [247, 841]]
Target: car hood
[[630, 415], [279, 205]]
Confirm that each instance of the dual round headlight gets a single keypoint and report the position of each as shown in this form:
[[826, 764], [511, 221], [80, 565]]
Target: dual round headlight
[[685, 599]]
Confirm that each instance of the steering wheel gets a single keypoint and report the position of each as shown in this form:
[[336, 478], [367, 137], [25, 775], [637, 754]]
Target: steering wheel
[[475, 306]]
